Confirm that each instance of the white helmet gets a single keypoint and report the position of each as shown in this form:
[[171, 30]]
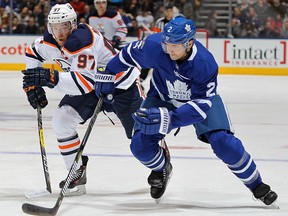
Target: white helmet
[[61, 13], [99, 1]]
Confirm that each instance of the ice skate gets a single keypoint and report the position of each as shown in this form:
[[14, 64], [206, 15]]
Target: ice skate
[[158, 182], [77, 185], [266, 195]]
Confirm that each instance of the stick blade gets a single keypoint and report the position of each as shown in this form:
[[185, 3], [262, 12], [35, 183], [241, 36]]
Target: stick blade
[[37, 210], [36, 193]]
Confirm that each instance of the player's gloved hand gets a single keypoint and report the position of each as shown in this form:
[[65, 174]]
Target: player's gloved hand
[[153, 120], [104, 85], [116, 41], [40, 77], [36, 95]]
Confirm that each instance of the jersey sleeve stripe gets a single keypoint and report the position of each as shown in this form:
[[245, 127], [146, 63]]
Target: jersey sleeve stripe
[[76, 82], [32, 53], [119, 75], [123, 60], [50, 44], [123, 78], [198, 109], [83, 80], [37, 54], [129, 53]]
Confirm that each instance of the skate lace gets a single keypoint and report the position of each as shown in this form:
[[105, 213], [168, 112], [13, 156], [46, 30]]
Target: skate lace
[[158, 179]]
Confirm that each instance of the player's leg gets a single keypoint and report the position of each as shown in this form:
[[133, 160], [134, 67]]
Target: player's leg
[[126, 102], [216, 129], [147, 150], [71, 112]]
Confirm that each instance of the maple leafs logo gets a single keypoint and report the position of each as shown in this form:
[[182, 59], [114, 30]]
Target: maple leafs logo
[[179, 90], [188, 28]]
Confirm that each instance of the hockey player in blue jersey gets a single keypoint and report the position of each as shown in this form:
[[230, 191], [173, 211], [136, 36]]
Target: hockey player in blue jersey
[[183, 92]]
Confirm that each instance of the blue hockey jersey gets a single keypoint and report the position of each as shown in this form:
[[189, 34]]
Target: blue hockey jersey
[[189, 85]]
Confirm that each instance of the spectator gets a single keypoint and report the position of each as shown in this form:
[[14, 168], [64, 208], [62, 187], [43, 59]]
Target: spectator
[[86, 13], [284, 29], [244, 7], [39, 16], [17, 28], [134, 30], [268, 32], [253, 19], [262, 8], [249, 31], [6, 4], [147, 5], [45, 7], [211, 24], [279, 8], [127, 18], [4, 20], [132, 8], [78, 7], [144, 19], [186, 8], [196, 5], [160, 12], [236, 29], [238, 14], [31, 28], [23, 16]]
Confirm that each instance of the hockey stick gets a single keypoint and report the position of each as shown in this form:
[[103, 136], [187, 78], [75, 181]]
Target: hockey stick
[[38, 193], [39, 210], [164, 145]]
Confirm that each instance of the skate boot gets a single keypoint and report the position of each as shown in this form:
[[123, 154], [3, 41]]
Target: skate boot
[[158, 182], [266, 195], [78, 180]]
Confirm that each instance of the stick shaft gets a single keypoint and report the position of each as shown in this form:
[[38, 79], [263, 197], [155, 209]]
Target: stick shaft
[[43, 150]]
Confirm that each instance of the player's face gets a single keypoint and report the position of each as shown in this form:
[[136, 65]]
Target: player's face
[[176, 51], [100, 6], [61, 31]]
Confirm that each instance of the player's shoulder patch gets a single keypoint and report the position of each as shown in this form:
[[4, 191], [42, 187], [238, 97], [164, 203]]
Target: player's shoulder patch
[[80, 38]]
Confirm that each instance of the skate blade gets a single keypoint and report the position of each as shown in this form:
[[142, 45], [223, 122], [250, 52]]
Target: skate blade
[[36, 193], [76, 191], [157, 201], [274, 205]]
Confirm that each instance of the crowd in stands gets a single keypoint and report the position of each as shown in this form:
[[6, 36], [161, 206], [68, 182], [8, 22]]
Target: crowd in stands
[[260, 19], [250, 19]]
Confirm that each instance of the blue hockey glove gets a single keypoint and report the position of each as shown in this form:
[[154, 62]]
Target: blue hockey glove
[[153, 120], [104, 85], [35, 96], [116, 41], [40, 77]]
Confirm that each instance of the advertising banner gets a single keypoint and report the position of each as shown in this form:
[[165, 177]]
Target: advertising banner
[[234, 56]]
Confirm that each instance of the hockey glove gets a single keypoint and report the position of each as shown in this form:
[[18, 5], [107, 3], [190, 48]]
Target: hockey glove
[[35, 96], [40, 77], [116, 41], [104, 85], [153, 120]]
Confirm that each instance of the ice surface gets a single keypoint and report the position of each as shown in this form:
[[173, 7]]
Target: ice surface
[[117, 182]]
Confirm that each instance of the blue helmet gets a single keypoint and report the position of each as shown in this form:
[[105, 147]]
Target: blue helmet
[[179, 30]]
